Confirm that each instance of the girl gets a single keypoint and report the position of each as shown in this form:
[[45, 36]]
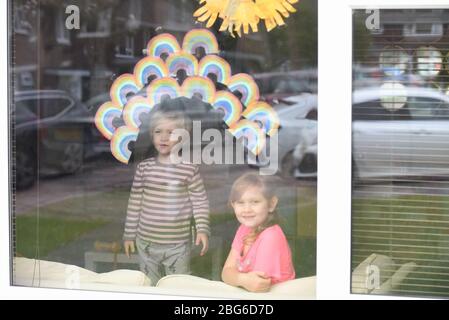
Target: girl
[[163, 199], [260, 255]]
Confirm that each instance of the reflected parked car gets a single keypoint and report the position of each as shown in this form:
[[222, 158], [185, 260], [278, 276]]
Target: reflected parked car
[[403, 134], [53, 133], [275, 86]]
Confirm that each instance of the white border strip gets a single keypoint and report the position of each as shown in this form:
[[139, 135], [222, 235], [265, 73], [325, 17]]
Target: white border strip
[[334, 190], [334, 147]]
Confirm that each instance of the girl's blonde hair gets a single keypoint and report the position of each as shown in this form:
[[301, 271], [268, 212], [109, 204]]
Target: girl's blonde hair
[[240, 186]]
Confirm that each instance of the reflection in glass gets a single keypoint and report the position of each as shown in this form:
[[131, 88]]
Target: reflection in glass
[[429, 61], [71, 194], [394, 60], [400, 155], [393, 95]]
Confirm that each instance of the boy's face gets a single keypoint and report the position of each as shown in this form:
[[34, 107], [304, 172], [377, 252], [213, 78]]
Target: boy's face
[[162, 136]]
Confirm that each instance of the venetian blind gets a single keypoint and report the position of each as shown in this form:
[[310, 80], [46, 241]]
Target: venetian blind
[[400, 153]]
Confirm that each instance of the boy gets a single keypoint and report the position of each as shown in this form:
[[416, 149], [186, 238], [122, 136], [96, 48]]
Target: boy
[[163, 198]]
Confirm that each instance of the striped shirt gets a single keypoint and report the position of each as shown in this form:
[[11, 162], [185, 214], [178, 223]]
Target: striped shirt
[[162, 201]]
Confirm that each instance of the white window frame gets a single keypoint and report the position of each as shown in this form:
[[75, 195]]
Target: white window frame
[[129, 48], [335, 142]]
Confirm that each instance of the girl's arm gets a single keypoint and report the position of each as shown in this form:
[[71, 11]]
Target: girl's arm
[[252, 281]]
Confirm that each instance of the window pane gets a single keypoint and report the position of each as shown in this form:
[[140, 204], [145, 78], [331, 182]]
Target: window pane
[[400, 155], [88, 80]]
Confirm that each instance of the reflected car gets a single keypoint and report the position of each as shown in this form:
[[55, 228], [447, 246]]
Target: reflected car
[[53, 134], [277, 86], [297, 136], [403, 134], [365, 77]]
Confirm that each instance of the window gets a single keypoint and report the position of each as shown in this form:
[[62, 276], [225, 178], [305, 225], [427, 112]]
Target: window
[[98, 25], [423, 29], [400, 164], [126, 49], [83, 123]]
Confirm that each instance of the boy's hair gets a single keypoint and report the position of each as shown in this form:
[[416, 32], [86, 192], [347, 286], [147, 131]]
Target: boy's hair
[[182, 121], [240, 186]]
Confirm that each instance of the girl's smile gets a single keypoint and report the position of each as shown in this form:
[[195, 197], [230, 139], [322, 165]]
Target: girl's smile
[[252, 209]]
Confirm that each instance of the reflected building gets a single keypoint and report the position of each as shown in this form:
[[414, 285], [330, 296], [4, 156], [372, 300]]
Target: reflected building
[[409, 43], [112, 37]]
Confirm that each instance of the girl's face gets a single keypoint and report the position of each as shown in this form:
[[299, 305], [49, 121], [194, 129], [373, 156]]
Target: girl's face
[[252, 209], [162, 136]]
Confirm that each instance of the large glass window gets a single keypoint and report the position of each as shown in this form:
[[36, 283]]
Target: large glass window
[[400, 154], [71, 192]]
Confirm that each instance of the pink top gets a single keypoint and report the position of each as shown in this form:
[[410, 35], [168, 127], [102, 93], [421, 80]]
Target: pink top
[[270, 253]]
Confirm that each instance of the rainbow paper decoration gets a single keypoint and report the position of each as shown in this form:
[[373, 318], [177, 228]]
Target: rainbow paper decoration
[[255, 136], [218, 66], [161, 87], [262, 112], [200, 38], [230, 105], [104, 117], [246, 85], [194, 86], [120, 143], [252, 124], [163, 43], [122, 87], [184, 61], [134, 109], [149, 66]]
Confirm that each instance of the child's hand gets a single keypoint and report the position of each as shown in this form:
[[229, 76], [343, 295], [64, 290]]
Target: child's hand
[[256, 281], [204, 239], [129, 247]]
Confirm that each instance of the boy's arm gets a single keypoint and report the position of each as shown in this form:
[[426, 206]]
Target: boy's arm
[[200, 203], [134, 206]]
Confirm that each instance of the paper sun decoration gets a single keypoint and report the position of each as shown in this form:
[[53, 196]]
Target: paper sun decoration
[[244, 14]]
